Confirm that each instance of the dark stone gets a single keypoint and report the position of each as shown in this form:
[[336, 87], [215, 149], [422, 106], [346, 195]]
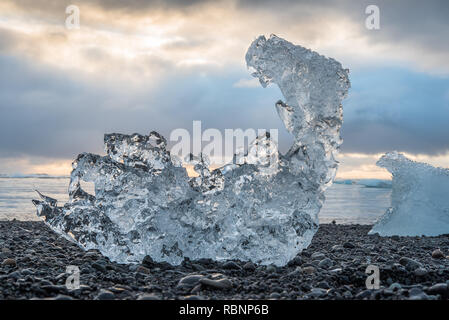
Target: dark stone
[[216, 284], [249, 266], [148, 261], [99, 266], [438, 254], [62, 297], [409, 264], [231, 265], [190, 281], [105, 295], [148, 297], [439, 288], [348, 245], [363, 295]]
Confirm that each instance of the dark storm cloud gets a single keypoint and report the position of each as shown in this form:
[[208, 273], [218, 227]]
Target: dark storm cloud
[[423, 24], [414, 27], [396, 109], [419, 23], [374, 137], [50, 113], [7, 40], [46, 112]]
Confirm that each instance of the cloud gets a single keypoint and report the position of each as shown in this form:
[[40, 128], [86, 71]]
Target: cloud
[[357, 165], [247, 83], [412, 32], [396, 109], [49, 112], [131, 6], [144, 65]]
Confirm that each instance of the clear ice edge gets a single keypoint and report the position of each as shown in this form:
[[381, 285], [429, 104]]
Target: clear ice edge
[[263, 210]]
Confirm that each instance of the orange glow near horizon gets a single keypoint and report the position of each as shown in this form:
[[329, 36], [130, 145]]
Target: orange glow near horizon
[[352, 166]]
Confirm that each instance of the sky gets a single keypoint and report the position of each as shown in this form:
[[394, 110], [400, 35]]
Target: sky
[[139, 66]]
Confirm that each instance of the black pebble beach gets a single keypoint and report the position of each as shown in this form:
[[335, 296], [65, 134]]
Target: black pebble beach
[[34, 259]]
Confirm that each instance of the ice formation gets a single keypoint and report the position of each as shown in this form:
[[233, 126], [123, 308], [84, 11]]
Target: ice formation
[[419, 199], [262, 207]]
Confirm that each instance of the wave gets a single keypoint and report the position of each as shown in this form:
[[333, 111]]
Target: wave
[[28, 176], [368, 183]]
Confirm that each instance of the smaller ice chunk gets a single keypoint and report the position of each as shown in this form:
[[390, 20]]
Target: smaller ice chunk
[[419, 198]]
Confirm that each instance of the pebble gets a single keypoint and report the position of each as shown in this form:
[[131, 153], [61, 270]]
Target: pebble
[[193, 297], [91, 254], [348, 245], [118, 289], [420, 272], [99, 266], [249, 266], [419, 296], [296, 261], [196, 289], [62, 297], [231, 265], [323, 285], [326, 263], [363, 294], [415, 291], [14, 275], [148, 297], [297, 271], [337, 248], [438, 254], [317, 292], [409, 264], [147, 261], [198, 267], [9, 262], [144, 270], [105, 295], [395, 287], [216, 284], [190, 281], [271, 268], [439, 288], [336, 271], [308, 270], [54, 288], [275, 295], [317, 256]]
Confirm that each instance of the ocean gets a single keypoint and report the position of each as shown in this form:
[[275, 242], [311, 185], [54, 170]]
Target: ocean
[[347, 202]]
